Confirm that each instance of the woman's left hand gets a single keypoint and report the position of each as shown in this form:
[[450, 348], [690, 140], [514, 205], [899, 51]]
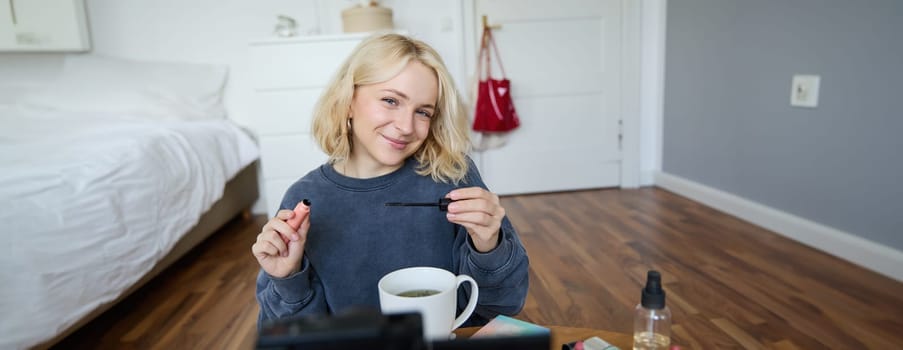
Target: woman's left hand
[[479, 211]]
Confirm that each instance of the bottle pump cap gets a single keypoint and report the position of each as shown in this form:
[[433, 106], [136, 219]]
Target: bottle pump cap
[[653, 294]]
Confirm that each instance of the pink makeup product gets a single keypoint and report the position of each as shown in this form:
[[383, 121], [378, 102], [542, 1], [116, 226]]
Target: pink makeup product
[[300, 214]]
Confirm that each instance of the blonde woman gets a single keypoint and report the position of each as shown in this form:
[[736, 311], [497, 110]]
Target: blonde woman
[[394, 128]]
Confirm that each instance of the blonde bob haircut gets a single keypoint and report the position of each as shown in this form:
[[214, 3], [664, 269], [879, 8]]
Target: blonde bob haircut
[[379, 58]]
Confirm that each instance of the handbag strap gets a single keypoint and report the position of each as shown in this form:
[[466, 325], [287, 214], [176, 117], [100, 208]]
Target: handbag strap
[[486, 53]]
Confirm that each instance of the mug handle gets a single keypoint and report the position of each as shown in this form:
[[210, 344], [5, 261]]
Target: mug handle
[[471, 304]]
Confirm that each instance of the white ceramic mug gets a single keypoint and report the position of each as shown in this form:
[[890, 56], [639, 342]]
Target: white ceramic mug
[[437, 310]]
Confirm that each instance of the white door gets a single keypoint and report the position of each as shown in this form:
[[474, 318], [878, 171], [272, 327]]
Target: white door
[[563, 59]]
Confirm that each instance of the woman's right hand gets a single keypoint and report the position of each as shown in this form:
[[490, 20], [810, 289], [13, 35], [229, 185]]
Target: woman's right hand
[[279, 248]]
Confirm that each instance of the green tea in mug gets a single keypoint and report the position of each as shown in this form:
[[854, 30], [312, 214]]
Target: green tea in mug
[[418, 293]]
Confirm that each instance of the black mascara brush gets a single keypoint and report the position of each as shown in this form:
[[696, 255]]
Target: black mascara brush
[[442, 204]]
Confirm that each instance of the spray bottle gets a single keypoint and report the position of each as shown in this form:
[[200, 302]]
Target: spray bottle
[[652, 319]]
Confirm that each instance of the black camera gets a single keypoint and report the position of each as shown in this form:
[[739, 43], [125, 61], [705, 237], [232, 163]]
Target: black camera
[[370, 329], [355, 329]]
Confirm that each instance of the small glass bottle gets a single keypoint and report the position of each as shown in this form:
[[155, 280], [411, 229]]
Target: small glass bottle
[[652, 319]]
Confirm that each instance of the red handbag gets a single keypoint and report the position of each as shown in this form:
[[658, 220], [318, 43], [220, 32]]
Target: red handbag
[[494, 108]]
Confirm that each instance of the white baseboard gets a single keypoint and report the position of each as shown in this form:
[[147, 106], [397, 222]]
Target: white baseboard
[[876, 257], [259, 207]]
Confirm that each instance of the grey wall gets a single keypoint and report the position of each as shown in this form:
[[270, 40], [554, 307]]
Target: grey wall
[[728, 123]]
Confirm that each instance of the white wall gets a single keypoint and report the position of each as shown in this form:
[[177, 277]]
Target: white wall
[[652, 78], [218, 31]]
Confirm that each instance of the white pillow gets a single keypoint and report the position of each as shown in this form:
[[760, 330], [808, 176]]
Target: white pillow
[[11, 94], [160, 90]]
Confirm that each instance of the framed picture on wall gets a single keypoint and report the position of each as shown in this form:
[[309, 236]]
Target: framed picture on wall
[[44, 26]]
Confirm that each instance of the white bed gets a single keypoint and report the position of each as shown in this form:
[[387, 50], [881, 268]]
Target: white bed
[[95, 199]]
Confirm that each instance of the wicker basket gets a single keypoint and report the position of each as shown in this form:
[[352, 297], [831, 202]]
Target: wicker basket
[[366, 19]]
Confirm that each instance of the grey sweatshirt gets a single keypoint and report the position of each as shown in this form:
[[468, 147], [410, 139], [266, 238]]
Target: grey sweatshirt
[[354, 240]]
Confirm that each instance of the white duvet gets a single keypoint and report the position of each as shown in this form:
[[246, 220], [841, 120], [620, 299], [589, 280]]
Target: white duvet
[[89, 203]]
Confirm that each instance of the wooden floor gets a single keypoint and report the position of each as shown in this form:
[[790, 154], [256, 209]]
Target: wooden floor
[[730, 284]]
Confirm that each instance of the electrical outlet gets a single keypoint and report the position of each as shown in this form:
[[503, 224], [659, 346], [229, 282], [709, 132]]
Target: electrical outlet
[[804, 91]]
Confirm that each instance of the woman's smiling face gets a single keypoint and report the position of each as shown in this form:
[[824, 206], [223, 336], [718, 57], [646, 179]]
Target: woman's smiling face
[[391, 120]]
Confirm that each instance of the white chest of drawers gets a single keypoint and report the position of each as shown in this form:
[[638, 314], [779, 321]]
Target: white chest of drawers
[[288, 76]]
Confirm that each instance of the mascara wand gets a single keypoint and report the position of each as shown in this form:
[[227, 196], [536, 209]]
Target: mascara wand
[[442, 204]]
